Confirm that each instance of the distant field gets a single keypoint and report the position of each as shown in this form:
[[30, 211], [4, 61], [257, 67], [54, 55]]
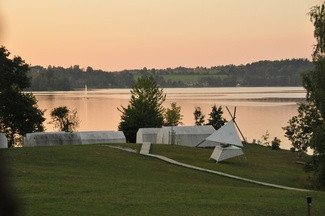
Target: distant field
[[190, 78], [98, 180]]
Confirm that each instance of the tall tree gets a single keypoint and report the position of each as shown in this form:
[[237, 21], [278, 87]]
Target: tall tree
[[64, 119], [300, 128], [144, 109], [216, 119], [173, 116], [314, 82], [198, 116], [19, 113]]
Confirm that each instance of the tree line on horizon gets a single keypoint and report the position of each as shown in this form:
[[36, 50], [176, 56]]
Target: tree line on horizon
[[262, 73]]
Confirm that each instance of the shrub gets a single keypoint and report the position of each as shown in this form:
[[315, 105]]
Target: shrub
[[276, 144]]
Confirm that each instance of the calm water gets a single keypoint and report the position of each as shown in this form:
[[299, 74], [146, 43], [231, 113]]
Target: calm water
[[258, 109]]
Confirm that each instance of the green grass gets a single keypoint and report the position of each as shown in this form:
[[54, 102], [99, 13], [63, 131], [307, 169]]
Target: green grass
[[258, 163], [98, 180]]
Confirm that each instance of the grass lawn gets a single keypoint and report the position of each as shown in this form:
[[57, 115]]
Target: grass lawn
[[98, 180], [258, 163]]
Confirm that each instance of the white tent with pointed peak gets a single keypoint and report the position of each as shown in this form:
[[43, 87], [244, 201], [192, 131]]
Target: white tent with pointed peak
[[226, 135], [147, 135], [221, 153]]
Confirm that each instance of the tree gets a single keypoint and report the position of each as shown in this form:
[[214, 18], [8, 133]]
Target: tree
[[198, 116], [19, 113], [276, 143], [300, 128], [144, 109], [173, 116], [216, 119], [318, 159], [314, 82], [265, 139], [12, 71], [64, 119]]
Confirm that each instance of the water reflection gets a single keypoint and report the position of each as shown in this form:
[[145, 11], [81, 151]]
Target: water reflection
[[258, 109]]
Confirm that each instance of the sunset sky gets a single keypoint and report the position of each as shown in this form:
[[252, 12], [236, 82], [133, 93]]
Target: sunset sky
[[131, 34]]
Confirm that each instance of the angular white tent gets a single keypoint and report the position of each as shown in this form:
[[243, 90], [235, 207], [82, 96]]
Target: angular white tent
[[226, 135], [147, 135], [184, 135], [221, 153], [3, 141], [75, 138], [225, 140]]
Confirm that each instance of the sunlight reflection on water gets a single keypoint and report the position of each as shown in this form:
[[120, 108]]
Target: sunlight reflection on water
[[258, 109]]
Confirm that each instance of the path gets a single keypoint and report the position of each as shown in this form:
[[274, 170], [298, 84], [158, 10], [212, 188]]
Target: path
[[145, 150]]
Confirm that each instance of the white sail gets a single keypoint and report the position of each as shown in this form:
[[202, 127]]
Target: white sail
[[86, 91]]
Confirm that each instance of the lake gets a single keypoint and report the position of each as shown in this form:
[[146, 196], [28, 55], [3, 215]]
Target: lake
[[258, 108]]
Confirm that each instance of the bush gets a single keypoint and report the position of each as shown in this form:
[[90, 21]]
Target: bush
[[276, 144]]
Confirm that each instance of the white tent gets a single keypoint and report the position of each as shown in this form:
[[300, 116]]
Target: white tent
[[75, 138], [3, 141], [147, 135], [227, 135], [221, 153], [184, 135], [98, 137]]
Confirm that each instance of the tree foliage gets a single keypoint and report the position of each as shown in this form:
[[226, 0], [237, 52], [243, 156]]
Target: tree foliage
[[318, 160], [13, 71], [198, 116], [144, 109], [265, 139], [64, 119], [215, 117], [275, 144], [19, 113], [300, 128], [315, 81], [262, 73], [173, 116]]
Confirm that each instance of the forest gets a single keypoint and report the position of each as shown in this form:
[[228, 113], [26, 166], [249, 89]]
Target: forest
[[262, 73]]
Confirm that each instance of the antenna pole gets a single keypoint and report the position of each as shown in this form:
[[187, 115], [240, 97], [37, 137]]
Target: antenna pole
[[233, 118]]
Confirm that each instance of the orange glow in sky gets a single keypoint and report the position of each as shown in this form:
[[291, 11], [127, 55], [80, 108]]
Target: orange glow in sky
[[128, 34]]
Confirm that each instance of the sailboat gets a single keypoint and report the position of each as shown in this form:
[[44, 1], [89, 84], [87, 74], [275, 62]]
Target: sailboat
[[86, 92]]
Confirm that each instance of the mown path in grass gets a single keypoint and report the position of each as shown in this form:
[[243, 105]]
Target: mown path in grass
[[96, 180]]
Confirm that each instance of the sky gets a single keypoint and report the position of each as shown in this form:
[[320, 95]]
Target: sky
[[131, 34]]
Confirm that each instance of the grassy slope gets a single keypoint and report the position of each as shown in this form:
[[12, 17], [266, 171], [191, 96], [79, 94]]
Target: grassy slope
[[97, 180], [258, 163]]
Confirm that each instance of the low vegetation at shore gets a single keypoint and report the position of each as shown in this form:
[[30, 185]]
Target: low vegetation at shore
[[98, 180]]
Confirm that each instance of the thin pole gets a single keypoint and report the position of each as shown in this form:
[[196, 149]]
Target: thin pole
[[233, 118], [309, 199]]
